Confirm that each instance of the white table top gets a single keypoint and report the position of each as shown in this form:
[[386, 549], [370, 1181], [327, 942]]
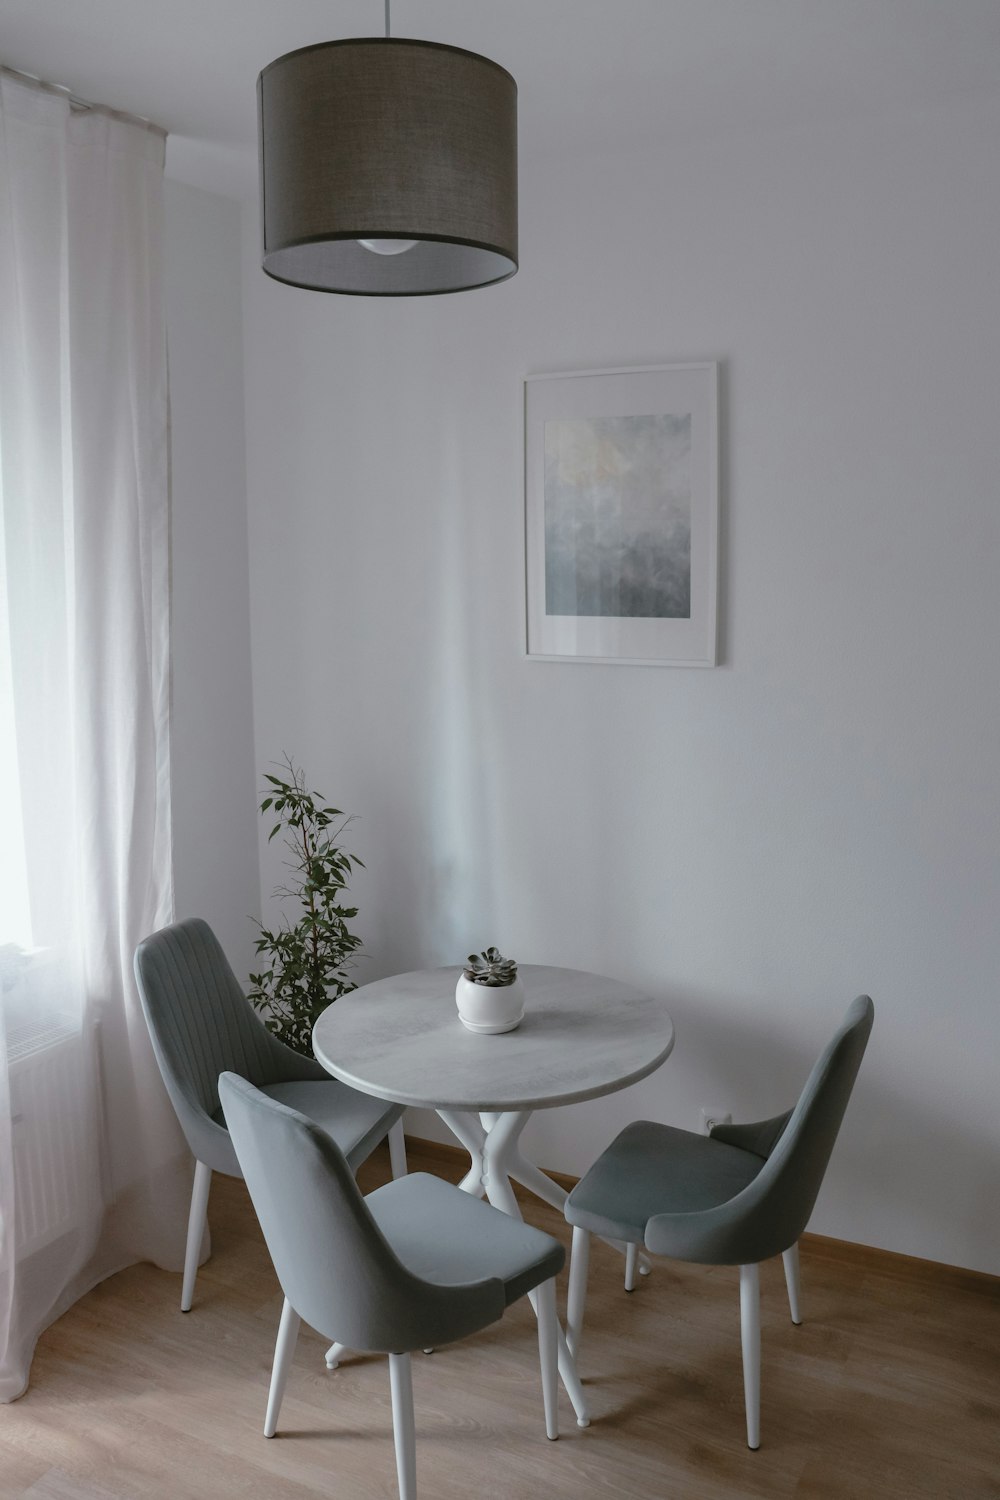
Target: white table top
[[582, 1036]]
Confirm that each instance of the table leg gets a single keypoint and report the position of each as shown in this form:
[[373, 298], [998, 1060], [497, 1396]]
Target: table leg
[[501, 1133], [499, 1150], [470, 1133]]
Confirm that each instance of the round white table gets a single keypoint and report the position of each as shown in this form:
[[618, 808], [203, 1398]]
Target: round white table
[[582, 1036]]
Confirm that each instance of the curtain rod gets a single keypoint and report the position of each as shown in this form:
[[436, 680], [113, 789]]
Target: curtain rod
[[82, 106]]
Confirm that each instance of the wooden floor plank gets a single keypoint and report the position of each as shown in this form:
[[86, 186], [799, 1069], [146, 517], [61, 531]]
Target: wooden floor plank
[[889, 1389]]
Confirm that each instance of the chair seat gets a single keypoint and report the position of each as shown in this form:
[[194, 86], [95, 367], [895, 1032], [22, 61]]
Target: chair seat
[[656, 1169], [356, 1121], [446, 1236]]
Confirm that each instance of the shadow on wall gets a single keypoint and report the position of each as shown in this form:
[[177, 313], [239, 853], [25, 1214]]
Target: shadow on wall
[[435, 805], [899, 1163]]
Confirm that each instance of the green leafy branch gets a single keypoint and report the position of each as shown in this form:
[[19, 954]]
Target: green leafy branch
[[307, 962]]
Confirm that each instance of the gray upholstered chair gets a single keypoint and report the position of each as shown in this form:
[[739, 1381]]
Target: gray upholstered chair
[[736, 1197], [417, 1263], [201, 1024]]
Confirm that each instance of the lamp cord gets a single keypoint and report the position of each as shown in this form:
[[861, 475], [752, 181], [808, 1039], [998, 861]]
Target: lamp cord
[[387, 18]]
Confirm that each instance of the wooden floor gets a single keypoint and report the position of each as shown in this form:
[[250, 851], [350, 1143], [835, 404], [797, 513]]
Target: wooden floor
[[889, 1389]]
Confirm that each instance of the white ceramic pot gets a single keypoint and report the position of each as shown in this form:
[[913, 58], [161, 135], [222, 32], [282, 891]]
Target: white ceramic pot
[[489, 1008]]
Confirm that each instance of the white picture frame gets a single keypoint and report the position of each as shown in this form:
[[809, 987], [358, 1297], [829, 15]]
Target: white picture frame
[[622, 515]]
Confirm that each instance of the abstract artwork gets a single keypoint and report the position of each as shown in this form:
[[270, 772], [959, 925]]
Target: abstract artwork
[[618, 517], [621, 515]]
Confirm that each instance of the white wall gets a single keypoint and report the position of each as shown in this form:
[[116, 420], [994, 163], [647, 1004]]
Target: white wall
[[759, 843], [216, 870]]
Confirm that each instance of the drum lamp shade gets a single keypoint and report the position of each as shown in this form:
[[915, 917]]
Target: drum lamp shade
[[408, 145]]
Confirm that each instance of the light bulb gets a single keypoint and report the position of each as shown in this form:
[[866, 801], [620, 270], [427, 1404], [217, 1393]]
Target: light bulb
[[388, 247]]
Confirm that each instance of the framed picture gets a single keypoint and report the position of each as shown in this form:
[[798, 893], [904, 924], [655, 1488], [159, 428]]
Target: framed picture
[[622, 515]]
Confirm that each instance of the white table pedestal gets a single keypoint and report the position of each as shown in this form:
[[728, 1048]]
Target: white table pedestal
[[492, 1143]]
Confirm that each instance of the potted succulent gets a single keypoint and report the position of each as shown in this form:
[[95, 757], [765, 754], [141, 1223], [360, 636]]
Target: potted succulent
[[489, 995]]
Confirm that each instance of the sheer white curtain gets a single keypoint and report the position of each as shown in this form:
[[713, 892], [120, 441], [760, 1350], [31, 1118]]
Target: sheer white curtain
[[93, 1175]]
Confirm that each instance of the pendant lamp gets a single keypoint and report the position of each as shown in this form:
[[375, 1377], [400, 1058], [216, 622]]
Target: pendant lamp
[[388, 168]]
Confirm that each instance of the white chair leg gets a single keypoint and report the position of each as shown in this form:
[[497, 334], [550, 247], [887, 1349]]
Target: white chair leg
[[790, 1260], [571, 1380], [548, 1354], [577, 1295], [631, 1259], [334, 1355], [750, 1330], [403, 1432], [196, 1231], [397, 1149], [284, 1348]]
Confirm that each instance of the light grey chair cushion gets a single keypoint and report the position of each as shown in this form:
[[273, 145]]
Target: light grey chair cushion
[[653, 1169], [446, 1236], [422, 1264], [201, 1024], [712, 1200]]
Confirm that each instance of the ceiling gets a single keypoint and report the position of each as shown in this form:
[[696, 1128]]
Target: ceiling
[[591, 73]]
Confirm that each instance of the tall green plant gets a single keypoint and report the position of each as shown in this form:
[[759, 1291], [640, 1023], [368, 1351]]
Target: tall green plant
[[307, 961]]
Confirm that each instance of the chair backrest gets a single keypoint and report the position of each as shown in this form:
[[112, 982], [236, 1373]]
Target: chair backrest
[[768, 1216], [200, 1022], [334, 1264]]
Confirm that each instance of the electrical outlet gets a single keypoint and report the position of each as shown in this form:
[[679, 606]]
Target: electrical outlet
[[712, 1117]]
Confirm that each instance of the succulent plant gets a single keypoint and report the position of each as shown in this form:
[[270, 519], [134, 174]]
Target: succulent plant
[[490, 968]]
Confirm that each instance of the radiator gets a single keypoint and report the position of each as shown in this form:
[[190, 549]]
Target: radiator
[[52, 1135]]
